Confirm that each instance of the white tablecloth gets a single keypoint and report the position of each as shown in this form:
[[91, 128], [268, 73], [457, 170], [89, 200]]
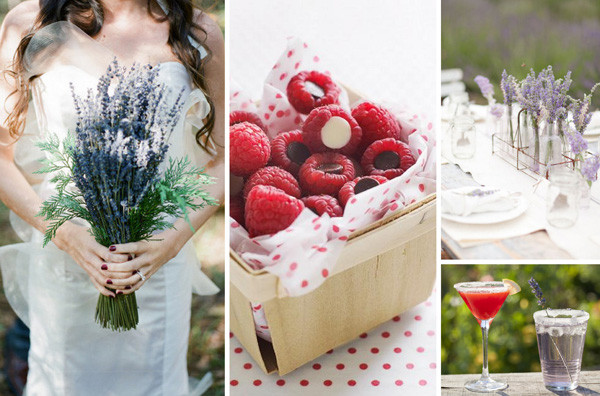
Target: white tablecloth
[[387, 51], [492, 171], [397, 358]]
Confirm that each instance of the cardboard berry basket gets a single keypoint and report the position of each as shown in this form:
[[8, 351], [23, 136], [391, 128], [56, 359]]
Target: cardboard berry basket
[[384, 270]]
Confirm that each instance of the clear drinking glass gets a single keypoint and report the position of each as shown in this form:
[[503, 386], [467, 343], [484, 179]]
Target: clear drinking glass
[[561, 337], [508, 125], [457, 103], [484, 300], [463, 137], [562, 198]]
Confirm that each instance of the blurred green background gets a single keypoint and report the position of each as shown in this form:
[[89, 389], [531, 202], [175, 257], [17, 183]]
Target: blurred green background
[[206, 351], [487, 36], [512, 337]]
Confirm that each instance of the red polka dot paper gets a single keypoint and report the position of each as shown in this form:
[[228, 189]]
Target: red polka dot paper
[[320, 240], [274, 109], [396, 358]]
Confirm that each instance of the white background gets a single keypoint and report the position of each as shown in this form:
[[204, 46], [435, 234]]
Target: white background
[[385, 49]]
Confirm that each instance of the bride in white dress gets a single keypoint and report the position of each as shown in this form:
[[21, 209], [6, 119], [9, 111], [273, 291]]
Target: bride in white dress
[[55, 289]]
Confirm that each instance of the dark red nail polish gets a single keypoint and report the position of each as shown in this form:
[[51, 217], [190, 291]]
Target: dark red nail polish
[[127, 287], [129, 258], [112, 296], [104, 267], [119, 292], [108, 281], [133, 272], [112, 248]]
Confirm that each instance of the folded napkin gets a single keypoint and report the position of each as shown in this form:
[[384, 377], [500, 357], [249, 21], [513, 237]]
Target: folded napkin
[[464, 201]]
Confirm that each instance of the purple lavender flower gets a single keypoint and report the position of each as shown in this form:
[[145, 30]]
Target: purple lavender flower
[[581, 110], [553, 94], [497, 110], [577, 142], [121, 140], [531, 95], [590, 167], [537, 290], [508, 84], [487, 89]]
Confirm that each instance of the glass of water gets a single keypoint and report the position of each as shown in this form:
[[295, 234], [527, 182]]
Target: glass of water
[[463, 137], [562, 198], [561, 337]]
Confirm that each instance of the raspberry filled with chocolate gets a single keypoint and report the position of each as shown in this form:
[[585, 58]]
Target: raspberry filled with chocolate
[[273, 176], [235, 117], [388, 158], [376, 123], [325, 173], [269, 210], [331, 128], [321, 204], [358, 185], [289, 152], [250, 148], [311, 89]]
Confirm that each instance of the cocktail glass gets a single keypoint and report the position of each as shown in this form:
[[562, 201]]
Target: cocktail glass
[[484, 299], [560, 337]]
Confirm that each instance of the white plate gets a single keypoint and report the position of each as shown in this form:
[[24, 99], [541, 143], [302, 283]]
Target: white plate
[[491, 217]]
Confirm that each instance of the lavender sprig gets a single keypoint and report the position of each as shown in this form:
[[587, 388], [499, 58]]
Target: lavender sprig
[[590, 168], [487, 89], [577, 142], [537, 290], [509, 87]]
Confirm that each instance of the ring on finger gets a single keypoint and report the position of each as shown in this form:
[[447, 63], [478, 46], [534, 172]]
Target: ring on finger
[[141, 275]]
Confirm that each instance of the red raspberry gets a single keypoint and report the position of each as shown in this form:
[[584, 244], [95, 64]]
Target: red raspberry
[[289, 152], [236, 208], [388, 157], [273, 176], [249, 149], [311, 89], [235, 117], [270, 210], [359, 185], [330, 128], [376, 123], [325, 173], [358, 170], [323, 204]]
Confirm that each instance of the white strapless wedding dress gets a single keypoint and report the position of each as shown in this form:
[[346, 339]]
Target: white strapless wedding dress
[[71, 354]]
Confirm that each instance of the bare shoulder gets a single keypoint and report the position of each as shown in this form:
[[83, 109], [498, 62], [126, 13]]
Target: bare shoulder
[[21, 18], [16, 24], [214, 36]]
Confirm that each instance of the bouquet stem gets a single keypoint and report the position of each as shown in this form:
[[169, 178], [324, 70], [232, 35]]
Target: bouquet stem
[[119, 313]]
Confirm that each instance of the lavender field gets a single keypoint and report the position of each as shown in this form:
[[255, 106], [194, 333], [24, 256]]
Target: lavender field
[[488, 36]]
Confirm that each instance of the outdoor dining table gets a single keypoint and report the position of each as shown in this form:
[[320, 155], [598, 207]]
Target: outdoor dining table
[[528, 236]]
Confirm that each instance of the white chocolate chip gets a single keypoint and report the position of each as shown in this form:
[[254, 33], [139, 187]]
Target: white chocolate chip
[[315, 90], [336, 133]]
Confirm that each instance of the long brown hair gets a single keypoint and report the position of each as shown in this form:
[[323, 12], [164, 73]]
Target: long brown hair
[[88, 15]]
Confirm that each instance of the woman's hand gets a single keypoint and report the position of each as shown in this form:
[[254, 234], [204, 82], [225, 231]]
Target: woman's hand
[[91, 256], [149, 256]]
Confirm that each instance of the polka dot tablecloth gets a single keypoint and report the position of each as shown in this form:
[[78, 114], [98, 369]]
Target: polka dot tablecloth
[[398, 357]]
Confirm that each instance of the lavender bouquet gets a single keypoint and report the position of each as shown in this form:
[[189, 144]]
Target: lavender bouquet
[[116, 159]]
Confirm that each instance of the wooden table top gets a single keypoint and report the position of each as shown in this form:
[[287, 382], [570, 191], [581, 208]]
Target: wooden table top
[[522, 384]]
